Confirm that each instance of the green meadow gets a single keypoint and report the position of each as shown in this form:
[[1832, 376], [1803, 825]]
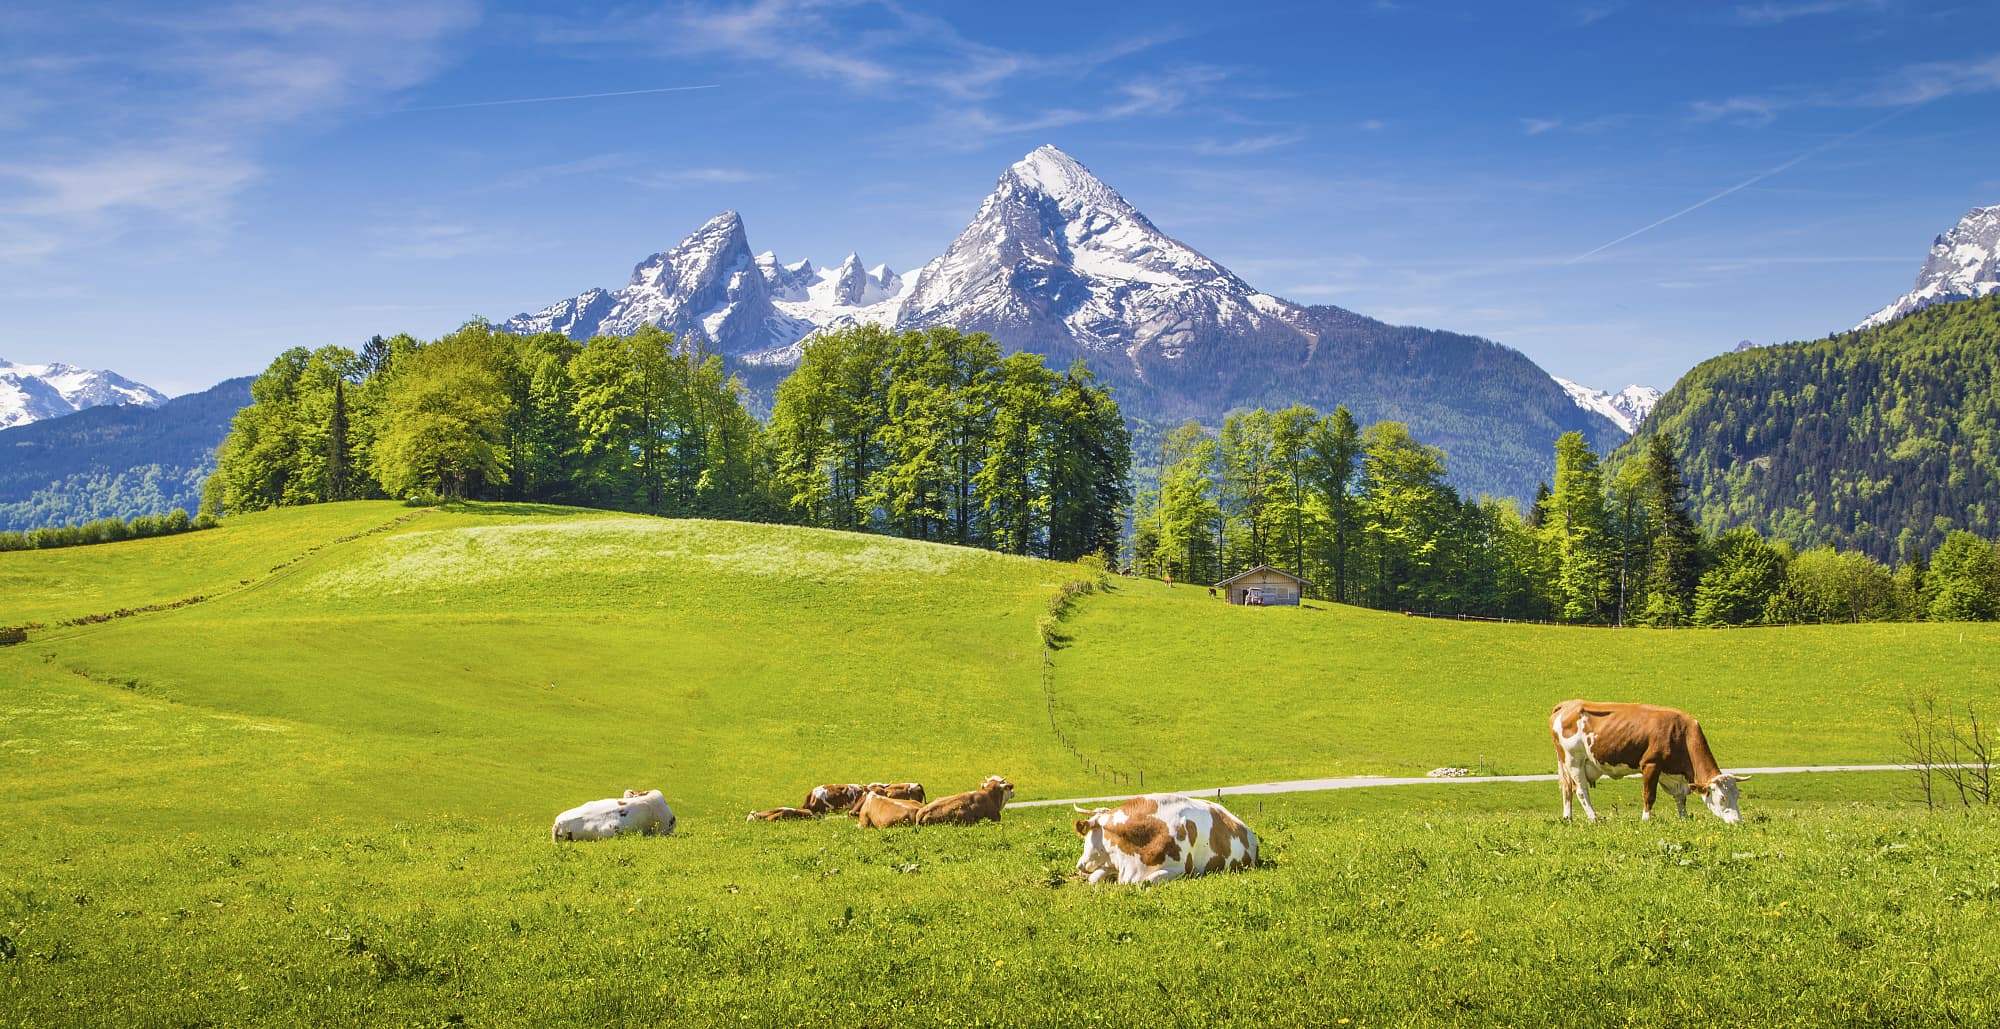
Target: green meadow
[[322, 795]]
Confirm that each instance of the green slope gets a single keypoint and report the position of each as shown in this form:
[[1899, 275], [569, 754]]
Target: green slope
[[504, 663], [1880, 440], [1191, 690]]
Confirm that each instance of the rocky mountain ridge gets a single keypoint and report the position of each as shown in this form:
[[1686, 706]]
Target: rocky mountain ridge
[[1964, 264], [32, 392]]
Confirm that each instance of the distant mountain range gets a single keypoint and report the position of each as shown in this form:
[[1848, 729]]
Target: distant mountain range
[[1057, 262], [115, 461], [1964, 264], [32, 392], [1626, 408]]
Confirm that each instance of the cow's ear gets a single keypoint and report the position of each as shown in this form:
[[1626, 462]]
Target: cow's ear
[[1083, 827]]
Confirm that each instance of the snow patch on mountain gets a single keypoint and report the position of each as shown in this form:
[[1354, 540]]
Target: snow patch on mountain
[[1626, 408], [1964, 264], [1056, 255], [710, 285], [32, 392]]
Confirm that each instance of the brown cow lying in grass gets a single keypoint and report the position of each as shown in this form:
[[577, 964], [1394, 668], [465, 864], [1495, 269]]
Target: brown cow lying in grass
[[898, 790], [980, 805], [834, 796], [780, 814], [879, 812]]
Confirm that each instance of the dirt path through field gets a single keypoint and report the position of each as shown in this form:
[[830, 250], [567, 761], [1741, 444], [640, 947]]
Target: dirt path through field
[[1355, 782]]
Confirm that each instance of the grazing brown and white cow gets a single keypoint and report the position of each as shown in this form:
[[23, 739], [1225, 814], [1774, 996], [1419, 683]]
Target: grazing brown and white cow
[[834, 796], [879, 812], [1160, 837], [1662, 745], [646, 813], [780, 814], [980, 805], [898, 790]]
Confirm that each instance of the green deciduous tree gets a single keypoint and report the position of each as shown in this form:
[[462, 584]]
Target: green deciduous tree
[[445, 419], [1963, 584]]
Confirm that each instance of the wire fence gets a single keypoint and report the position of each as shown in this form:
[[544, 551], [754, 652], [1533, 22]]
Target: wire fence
[[1104, 773]]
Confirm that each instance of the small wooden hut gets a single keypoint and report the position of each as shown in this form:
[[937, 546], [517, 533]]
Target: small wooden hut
[[1263, 586]]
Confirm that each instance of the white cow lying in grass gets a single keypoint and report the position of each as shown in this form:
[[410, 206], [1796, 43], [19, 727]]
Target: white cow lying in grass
[[645, 813], [1160, 837]]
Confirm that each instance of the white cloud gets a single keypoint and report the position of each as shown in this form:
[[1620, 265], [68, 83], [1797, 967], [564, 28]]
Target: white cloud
[[884, 48], [1752, 111], [1252, 145], [423, 237], [681, 178], [1780, 13], [185, 181], [133, 118]]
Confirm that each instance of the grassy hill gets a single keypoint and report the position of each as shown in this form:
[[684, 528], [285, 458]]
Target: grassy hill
[[504, 662], [1191, 690], [321, 794]]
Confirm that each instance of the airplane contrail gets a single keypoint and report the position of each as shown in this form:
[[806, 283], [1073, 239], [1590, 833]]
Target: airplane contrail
[[1745, 184], [552, 99]]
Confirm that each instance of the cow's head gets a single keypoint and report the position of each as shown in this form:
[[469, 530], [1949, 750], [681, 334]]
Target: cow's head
[[1720, 795], [1096, 857], [994, 782]]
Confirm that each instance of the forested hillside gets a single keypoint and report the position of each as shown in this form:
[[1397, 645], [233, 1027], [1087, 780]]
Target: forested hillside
[[114, 462], [1880, 440]]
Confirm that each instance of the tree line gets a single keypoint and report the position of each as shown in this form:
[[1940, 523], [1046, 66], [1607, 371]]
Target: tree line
[[105, 530], [1366, 516], [928, 434]]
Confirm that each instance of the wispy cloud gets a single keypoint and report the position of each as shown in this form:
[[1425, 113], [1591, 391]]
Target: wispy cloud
[[177, 132], [1585, 126], [424, 237], [1936, 80], [1780, 13], [552, 99], [1754, 111], [687, 177], [1252, 145], [885, 48], [186, 181], [1908, 86]]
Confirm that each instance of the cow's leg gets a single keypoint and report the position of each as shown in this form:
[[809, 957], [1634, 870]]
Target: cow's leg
[[1649, 782], [1679, 788], [1563, 781], [1583, 794]]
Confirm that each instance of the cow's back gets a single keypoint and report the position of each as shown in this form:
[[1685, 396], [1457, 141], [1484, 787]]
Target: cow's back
[[1617, 739], [1164, 836], [879, 812]]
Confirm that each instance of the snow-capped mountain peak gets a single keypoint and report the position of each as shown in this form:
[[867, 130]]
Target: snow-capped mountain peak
[[1055, 257], [1964, 264], [1626, 408], [31, 392], [1055, 174]]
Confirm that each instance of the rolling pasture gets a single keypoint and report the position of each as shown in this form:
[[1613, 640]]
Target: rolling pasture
[[322, 795]]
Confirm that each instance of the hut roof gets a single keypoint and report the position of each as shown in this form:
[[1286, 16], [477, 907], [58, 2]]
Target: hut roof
[[1263, 568]]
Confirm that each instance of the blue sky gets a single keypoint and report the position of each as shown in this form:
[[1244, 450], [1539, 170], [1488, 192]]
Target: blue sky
[[184, 192]]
